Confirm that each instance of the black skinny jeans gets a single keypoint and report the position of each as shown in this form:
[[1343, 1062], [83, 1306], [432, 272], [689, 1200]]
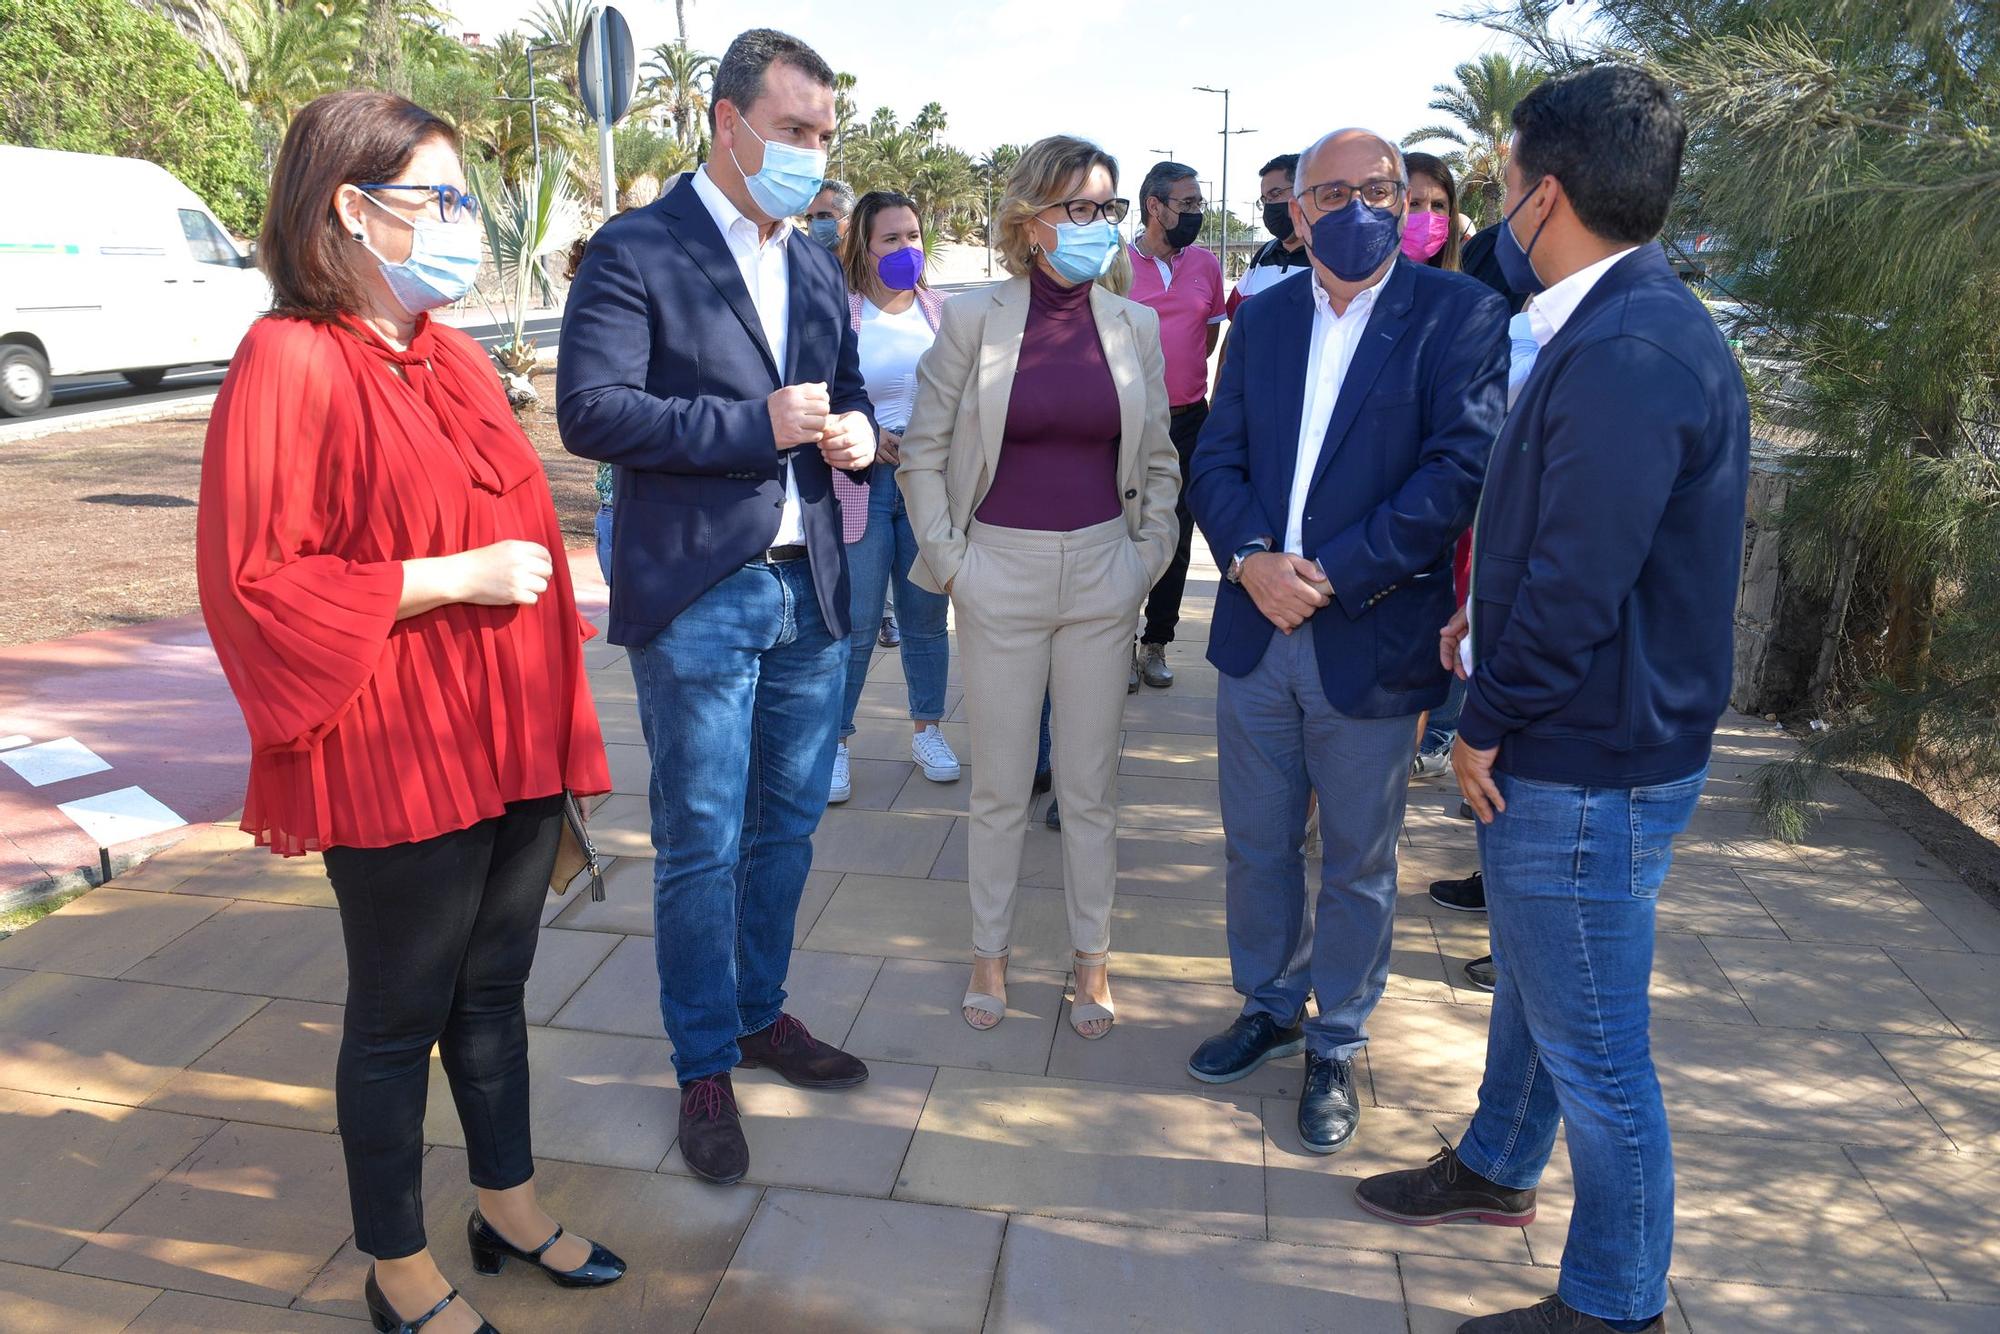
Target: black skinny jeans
[[1163, 607], [440, 937]]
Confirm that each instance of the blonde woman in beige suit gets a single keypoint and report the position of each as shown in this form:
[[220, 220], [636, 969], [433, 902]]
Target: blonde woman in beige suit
[[1040, 481]]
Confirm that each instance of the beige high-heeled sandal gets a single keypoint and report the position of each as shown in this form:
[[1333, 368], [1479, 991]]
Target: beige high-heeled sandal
[[1090, 1012], [992, 1009]]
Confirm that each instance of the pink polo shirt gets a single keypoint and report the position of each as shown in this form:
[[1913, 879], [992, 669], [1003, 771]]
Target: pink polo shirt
[[1187, 304]]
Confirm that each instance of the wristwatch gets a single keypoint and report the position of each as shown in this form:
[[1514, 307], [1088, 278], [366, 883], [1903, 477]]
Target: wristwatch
[[1234, 574]]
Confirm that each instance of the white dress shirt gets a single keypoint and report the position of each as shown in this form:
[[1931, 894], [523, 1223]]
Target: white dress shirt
[[1551, 308], [1334, 339], [763, 266]]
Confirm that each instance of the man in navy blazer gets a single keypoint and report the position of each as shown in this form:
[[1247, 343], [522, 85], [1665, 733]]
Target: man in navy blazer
[[1605, 565], [1339, 466], [706, 352]]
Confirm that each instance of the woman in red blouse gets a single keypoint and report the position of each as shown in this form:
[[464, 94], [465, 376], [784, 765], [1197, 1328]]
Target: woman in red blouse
[[374, 554]]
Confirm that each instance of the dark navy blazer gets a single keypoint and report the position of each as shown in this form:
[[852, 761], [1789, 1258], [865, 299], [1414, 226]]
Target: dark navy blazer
[[665, 372], [1610, 543], [1395, 486]]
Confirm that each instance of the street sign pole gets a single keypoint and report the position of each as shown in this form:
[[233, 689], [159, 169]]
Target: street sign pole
[[606, 78], [610, 181]]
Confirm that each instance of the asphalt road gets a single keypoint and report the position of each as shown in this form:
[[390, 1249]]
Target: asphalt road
[[78, 394]]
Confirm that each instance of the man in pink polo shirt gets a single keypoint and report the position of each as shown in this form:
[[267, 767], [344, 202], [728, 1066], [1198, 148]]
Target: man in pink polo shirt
[[1183, 283]]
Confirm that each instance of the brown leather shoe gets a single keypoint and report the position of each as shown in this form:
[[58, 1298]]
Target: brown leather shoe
[[800, 1058], [711, 1135]]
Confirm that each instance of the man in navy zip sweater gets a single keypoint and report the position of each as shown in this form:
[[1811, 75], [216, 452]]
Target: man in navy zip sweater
[[1605, 565]]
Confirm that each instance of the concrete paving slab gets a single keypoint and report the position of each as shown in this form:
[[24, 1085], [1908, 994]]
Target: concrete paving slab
[[913, 1015], [277, 1069], [1841, 987], [108, 1041], [263, 949], [106, 932], [1958, 1083], [42, 1301]]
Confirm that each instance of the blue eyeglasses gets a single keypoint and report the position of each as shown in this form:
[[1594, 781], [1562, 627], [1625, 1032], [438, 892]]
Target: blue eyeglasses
[[454, 204]]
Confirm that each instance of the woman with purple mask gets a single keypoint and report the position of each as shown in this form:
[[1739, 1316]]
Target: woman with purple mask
[[895, 316]]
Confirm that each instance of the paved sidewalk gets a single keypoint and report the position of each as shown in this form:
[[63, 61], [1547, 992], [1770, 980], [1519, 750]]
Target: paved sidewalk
[[1827, 1022], [142, 715]]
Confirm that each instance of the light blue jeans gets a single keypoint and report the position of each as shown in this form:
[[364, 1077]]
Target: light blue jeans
[[604, 541], [883, 553], [737, 701], [1572, 878]]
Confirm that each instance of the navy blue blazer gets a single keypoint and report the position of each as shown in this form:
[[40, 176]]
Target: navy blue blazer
[[664, 371], [1610, 543], [1397, 478]]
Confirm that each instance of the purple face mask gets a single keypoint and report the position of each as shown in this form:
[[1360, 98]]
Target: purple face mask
[[899, 270]]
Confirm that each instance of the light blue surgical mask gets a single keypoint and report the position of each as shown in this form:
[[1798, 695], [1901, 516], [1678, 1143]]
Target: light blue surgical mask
[[787, 181], [442, 267], [1084, 253], [826, 231]]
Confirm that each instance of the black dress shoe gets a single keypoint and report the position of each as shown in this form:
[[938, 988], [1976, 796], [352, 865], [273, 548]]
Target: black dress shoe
[[383, 1316], [1551, 1315], [1444, 1190], [1243, 1046], [1480, 973], [889, 636], [799, 1058], [491, 1252], [1467, 895], [711, 1131], [1328, 1109]]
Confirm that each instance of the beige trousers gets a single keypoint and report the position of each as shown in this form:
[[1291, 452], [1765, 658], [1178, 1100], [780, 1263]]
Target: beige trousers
[[1046, 611]]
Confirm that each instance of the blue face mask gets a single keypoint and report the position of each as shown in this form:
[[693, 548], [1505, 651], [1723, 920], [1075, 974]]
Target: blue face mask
[[1515, 265], [826, 231], [443, 264], [787, 181], [1353, 241], [1084, 253]]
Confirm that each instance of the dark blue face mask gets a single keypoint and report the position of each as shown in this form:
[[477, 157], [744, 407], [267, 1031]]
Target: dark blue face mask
[[1515, 266], [1354, 241]]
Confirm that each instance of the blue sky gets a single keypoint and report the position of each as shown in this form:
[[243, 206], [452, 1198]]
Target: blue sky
[[1118, 71]]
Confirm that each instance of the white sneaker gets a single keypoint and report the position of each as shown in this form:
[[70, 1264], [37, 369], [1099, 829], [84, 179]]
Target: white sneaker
[[933, 755], [843, 782]]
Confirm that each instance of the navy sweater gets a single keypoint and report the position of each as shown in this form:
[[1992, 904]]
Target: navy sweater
[[1609, 543]]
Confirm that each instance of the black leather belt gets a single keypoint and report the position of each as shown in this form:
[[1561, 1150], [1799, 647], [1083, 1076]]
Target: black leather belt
[[779, 555]]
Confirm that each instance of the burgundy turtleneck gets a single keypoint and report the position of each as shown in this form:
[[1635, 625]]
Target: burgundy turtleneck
[[1058, 468]]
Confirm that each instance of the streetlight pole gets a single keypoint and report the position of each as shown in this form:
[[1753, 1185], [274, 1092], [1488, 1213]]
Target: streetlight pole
[[1223, 183], [534, 107]]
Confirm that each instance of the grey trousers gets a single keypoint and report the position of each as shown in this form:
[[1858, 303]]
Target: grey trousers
[[1277, 739], [1046, 612]]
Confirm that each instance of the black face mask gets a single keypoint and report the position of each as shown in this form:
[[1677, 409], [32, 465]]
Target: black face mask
[[1278, 220], [1185, 228]]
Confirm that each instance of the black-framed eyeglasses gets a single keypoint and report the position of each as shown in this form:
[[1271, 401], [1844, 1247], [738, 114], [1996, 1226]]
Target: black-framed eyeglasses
[[454, 204], [1083, 212], [1333, 196]]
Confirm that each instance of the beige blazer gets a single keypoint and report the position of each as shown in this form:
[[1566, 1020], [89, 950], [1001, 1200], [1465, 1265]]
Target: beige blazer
[[952, 449]]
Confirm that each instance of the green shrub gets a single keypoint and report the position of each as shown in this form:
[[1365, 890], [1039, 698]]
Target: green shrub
[[101, 76]]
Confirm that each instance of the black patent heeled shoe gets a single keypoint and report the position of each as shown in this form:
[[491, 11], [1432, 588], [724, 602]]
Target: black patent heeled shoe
[[491, 1252], [384, 1318]]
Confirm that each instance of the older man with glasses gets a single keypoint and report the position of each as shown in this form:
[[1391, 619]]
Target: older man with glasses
[[1342, 460]]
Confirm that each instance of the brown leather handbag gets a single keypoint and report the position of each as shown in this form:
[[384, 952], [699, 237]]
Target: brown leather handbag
[[575, 853]]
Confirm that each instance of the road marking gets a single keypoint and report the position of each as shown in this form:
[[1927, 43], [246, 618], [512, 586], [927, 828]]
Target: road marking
[[9, 742], [54, 761], [115, 817]]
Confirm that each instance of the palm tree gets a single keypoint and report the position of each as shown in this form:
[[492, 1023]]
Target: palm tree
[[206, 24], [1482, 103], [680, 80], [930, 123], [681, 20], [292, 52], [846, 120], [560, 23], [525, 221]]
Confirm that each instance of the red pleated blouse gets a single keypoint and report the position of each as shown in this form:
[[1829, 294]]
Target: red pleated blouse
[[323, 471]]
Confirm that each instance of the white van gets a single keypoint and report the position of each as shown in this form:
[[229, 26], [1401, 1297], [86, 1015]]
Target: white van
[[110, 264]]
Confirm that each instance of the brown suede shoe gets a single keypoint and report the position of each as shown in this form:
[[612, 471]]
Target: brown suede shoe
[[711, 1133], [800, 1058]]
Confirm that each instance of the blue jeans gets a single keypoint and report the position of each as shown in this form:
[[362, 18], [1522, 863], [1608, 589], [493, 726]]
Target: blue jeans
[[604, 541], [1277, 739], [1572, 876], [886, 551], [738, 700], [1442, 727], [1046, 749]]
